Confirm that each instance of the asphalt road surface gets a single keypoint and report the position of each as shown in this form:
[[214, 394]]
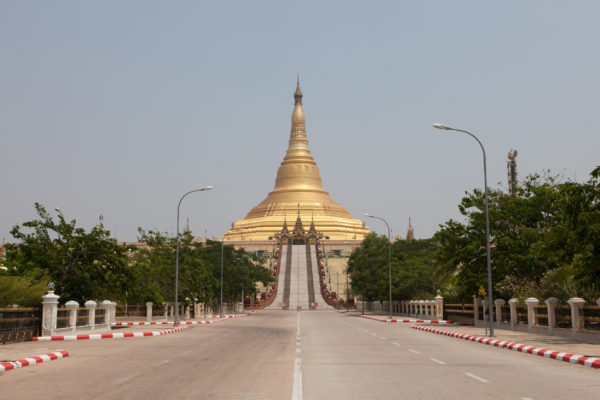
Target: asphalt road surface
[[306, 355]]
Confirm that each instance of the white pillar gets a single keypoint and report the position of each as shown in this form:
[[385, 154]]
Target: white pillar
[[551, 304], [72, 306], [149, 311], [49, 313], [113, 313], [166, 311], [107, 309], [513, 312], [430, 308], [531, 312], [439, 307], [576, 317], [187, 312], [91, 306], [499, 303]]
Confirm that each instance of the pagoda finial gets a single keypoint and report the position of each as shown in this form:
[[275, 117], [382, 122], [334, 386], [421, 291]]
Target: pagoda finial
[[298, 92], [298, 210]]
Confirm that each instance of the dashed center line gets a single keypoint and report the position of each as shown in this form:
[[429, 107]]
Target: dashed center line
[[396, 344], [413, 351], [163, 362], [438, 361], [478, 378]]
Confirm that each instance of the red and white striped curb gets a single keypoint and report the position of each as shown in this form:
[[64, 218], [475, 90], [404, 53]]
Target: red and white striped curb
[[6, 366], [141, 323], [556, 355], [414, 321], [95, 336]]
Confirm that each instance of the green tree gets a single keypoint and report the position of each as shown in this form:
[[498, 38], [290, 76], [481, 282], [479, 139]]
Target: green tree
[[83, 265], [414, 272]]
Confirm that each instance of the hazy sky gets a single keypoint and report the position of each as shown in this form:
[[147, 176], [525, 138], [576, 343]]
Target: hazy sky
[[120, 107]]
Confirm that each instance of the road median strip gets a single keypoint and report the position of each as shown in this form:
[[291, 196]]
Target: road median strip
[[6, 366], [592, 362]]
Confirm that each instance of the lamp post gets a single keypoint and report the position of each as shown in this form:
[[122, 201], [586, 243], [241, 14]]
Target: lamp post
[[176, 314], [487, 221], [221, 298], [389, 258]]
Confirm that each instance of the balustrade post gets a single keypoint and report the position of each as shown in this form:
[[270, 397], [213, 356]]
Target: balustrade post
[[551, 304], [531, 312], [149, 311], [166, 311], [49, 313], [187, 312], [439, 307], [72, 306], [107, 310], [113, 313], [91, 306], [499, 303], [577, 322], [513, 312], [485, 312], [430, 308]]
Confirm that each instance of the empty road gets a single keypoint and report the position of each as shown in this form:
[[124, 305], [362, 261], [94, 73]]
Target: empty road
[[290, 355]]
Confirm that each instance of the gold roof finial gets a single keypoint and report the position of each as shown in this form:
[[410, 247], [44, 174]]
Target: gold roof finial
[[298, 92]]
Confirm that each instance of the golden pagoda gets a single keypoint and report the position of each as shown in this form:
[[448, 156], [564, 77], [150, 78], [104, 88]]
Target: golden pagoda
[[298, 192]]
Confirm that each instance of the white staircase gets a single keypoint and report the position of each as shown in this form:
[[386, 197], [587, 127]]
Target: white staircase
[[298, 283]]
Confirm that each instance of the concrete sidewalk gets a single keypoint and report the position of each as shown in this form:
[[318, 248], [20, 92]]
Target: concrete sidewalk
[[530, 339]]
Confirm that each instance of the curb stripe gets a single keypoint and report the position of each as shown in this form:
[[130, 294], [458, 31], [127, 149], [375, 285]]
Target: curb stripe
[[592, 362], [6, 366], [109, 335]]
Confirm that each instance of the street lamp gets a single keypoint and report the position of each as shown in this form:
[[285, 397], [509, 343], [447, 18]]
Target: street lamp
[[487, 221], [176, 315], [389, 257]]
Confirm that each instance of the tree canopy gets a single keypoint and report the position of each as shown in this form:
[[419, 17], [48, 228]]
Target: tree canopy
[[91, 265]]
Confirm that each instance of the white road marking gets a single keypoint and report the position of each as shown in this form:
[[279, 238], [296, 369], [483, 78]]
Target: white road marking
[[374, 334], [438, 361], [480, 379], [298, 350], [297, 388], [163, 362], [123, 380], [526, 398], [413, 351], [383, 338], [396, 344]]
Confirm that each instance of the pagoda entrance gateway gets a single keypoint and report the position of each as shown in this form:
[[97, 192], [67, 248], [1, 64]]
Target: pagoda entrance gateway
[[299, 281]]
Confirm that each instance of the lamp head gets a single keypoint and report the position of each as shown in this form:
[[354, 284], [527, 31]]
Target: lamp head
[[443, 127], [368, 215], [206, 188]]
